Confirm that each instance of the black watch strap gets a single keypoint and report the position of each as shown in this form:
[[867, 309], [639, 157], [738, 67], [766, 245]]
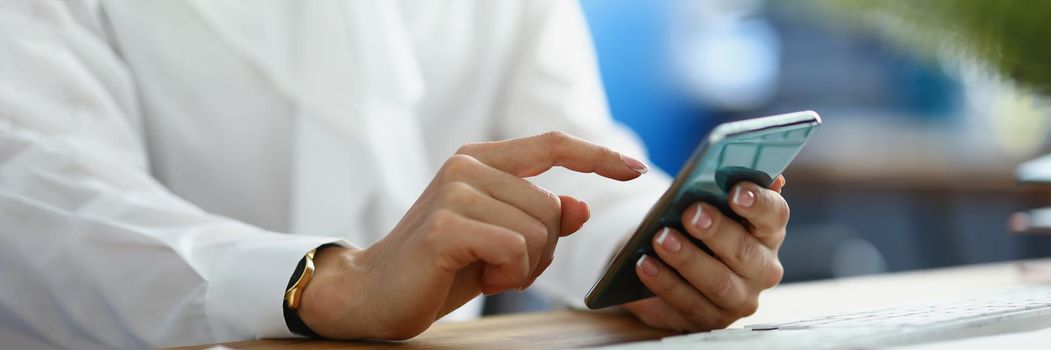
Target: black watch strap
[[292, 320]]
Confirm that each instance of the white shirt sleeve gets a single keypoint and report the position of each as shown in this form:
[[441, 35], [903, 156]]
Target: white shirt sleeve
[[554, 85], [94, 252]]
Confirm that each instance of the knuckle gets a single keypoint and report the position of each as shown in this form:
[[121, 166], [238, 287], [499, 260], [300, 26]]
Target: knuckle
[[551, 206], [555, 136], [762, 194], [605, 152], [747, 247], [441, 222], [516, 242], [458, 160], [784, 213], [538, 235], [458, 193], [723, 288], [747, 308], [458, 164], [696, 311], [557, 142], [537, 230], [535, 248], [774, 273], [519, 247], [469, 148], [773, 207]]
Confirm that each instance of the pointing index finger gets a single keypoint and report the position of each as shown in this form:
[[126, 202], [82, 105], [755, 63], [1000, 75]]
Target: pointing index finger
[[533, 155]]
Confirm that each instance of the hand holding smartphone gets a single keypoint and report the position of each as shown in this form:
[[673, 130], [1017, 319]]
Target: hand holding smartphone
[[754, 150]]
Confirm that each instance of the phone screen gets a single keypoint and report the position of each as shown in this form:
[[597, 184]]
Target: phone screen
[[755, 150]]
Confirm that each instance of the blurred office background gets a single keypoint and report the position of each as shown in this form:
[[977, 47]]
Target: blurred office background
[[913, 168]]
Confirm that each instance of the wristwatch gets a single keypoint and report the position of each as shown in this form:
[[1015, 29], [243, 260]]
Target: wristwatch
[[294, 294]]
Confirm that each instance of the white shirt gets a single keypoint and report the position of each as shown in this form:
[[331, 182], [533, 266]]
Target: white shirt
[[165, 164]]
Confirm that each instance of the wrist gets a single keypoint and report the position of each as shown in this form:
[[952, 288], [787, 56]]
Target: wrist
[[327, 302]]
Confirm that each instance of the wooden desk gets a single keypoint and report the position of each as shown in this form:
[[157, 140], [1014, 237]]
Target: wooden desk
[[544, 330], [569, 329]]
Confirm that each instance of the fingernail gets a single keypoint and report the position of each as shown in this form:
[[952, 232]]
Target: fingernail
[[648, 267], [701, 219], [743, 197], [669, 241], [635, 164]]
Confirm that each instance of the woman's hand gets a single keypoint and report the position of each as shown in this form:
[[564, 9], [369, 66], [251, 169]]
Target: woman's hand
[[696, 291], [477, 228]]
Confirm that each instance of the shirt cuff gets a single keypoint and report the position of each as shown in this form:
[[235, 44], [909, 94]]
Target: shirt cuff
[[247, 284]]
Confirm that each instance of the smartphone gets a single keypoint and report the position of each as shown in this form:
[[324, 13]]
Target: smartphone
[[755, 150]]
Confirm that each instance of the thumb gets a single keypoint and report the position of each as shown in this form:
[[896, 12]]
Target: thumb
[[574, 214]]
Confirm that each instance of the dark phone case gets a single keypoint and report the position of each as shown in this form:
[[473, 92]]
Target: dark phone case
[[726, 179], [673, 219], [620, 283]]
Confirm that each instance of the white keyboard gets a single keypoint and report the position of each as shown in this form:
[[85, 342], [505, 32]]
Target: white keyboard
[[1015, 311]]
